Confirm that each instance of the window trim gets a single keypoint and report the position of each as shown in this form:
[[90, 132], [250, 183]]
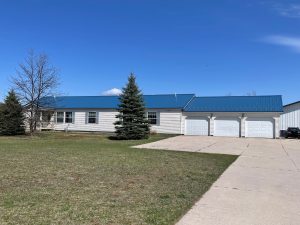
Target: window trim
[[88, 117], [63, 117], [73, 115], [156, 118]]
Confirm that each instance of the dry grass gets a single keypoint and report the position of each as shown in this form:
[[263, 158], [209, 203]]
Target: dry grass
[[88, 179]]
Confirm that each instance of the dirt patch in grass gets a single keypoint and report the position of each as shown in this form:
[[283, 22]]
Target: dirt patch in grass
[[59, 178]]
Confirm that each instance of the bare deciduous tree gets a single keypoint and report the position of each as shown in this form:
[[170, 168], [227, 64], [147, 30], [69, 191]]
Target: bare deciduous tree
[[35, 79]]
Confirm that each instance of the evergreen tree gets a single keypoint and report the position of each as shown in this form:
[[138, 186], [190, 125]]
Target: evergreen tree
[[132, 123], [11, 116]]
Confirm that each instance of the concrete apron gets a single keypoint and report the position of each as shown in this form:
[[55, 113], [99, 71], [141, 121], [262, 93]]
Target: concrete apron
[[262, 187]]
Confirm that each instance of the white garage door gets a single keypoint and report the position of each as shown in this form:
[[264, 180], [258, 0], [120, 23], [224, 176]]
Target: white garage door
[[196, 126], [228, 127], [259, 127]]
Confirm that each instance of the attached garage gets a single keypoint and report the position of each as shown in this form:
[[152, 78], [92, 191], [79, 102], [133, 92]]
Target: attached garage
[[235, 116], [227, 127], [259, 127], [196, 126]]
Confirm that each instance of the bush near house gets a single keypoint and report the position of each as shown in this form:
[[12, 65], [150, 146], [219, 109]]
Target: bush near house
[[11, 116]]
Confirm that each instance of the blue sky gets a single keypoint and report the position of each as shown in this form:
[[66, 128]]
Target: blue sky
[[209, 48]]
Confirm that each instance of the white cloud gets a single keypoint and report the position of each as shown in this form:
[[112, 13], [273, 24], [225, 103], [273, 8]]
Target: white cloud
[[291, 10], [291, 42], [112, 92]]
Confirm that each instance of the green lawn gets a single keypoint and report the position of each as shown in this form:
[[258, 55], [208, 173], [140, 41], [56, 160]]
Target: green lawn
[[59, 178]]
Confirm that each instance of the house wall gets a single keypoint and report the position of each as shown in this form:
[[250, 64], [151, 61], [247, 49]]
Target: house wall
[[169, 121], [290, 117], [106, 119]]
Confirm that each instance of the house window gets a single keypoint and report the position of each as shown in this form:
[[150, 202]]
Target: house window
[[92, 117], [152, 117], [59, 117], [69, 117]]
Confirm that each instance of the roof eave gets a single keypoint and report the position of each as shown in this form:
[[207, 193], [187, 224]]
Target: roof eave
[[293, 103]]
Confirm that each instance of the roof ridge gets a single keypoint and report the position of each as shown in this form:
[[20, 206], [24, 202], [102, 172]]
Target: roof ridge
[[76, 96]]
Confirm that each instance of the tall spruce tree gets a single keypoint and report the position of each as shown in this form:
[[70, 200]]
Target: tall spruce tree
[[132, 123], [11, 116]]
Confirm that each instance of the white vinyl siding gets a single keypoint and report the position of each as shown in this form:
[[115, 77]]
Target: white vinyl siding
[[106, 119], [169, 122], [290, 117]]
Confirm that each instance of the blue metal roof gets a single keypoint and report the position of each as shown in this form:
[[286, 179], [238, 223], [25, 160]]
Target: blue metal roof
[[188, 102], [236, 104], [167, 101]]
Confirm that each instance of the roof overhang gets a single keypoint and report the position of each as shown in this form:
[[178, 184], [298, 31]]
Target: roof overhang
[[293, 103]]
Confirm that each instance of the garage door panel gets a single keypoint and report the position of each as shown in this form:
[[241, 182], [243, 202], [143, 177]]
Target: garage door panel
[[196, 126], [227, 127], [260, 127]]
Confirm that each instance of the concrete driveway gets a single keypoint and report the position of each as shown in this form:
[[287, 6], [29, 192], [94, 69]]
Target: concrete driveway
[[262, 187]]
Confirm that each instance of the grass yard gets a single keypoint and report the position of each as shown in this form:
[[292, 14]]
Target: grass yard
[[58, 178]]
